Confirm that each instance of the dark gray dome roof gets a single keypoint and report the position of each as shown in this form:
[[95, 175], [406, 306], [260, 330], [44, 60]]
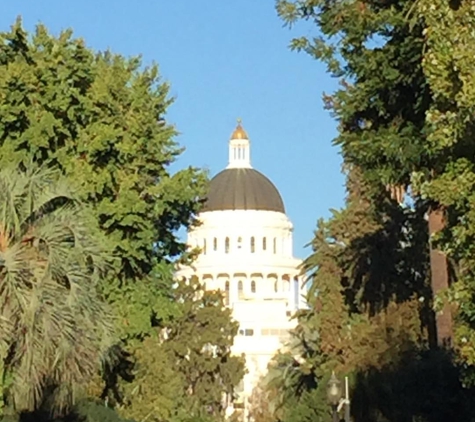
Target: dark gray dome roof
[[242, 189]]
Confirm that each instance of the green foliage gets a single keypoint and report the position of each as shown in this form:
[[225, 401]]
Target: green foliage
[[450, 121], [405, 110], [415, 389], [88, 411], [157, 391], [52, 258], [377, 55], [84, 411], [184, 370], [100, 118], [368, 319], [200, 340], [406, 115]]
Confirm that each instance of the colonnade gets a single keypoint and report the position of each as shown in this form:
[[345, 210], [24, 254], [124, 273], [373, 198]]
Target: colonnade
[[248, 286]]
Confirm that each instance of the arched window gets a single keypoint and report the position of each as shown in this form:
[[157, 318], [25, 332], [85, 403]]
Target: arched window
[[226, 245], [215, 244], [253, 286], [286, 286], [239, 243], [276, 286], [264, 243], [253, 244], [226, 293], [204, 246], [274, 245], [240, 290]]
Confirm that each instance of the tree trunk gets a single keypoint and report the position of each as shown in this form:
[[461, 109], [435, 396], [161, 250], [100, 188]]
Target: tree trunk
[[440, 279]]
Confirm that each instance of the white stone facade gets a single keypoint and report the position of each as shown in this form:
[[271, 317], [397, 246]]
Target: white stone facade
[[248, 255]]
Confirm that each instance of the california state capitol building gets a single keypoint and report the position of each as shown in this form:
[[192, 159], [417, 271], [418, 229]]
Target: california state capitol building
[[246, 246]]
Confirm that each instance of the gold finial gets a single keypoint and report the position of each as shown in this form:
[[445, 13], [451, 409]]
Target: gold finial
[[239, 132]]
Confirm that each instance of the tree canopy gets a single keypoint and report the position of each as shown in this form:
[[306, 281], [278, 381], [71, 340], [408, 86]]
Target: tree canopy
[[390, 289], [100, 119]]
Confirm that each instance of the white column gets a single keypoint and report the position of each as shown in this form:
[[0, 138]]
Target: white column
[[280, 278], [300, 300], [293, 302]]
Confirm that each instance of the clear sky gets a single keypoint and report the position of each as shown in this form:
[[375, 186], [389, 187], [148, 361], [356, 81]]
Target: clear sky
[[224, 60]]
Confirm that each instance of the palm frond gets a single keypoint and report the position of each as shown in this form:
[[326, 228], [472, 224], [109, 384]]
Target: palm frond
[[54, 327]]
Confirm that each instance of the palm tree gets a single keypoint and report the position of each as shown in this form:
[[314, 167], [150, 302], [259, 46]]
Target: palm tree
[[54, 327]]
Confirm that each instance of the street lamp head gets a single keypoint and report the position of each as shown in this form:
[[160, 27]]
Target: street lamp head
[[334, 390]]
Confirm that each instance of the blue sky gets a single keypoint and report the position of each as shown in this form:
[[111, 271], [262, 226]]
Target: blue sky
[[224, 60]]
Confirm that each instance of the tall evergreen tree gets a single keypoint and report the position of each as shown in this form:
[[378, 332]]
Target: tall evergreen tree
[[376, 50], [405, 126], [368, 308]]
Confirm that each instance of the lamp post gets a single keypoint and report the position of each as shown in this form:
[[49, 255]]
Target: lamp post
[[334, 394]]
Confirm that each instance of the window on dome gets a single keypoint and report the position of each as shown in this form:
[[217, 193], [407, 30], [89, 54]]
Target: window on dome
[[239, 245], [276, 286], [264, 243], [215, 244], [240, 290], [274, 245], [253, 244], [253, 286], [226, 245], [204, 246], [226, 293]]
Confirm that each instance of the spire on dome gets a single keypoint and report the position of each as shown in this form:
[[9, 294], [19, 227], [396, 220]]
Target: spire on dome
[[239, 132], [239, 148]]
